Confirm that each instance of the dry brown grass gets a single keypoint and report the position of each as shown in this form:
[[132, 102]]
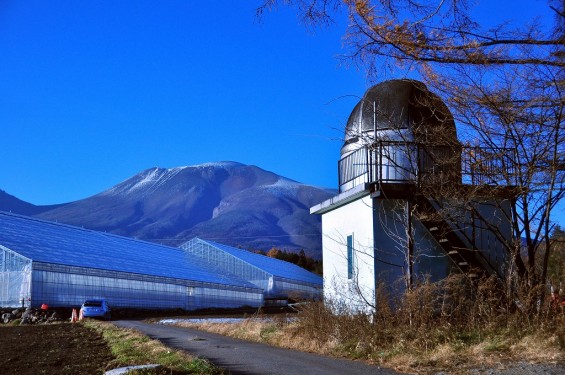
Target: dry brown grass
[[450, 326]]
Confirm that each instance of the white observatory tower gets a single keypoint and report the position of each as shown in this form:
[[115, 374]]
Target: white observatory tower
[[399, 171]]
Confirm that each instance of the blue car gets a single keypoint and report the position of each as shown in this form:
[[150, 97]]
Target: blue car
[[96, 308]]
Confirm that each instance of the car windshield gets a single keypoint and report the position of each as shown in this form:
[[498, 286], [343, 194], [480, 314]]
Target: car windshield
[[93, 304]]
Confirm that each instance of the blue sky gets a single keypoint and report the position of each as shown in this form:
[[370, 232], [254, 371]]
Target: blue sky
[[93, 92]]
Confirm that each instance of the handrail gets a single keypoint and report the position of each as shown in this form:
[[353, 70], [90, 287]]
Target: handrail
[[397, 162]]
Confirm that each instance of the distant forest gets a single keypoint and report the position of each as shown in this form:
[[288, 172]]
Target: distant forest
[[300, 259]]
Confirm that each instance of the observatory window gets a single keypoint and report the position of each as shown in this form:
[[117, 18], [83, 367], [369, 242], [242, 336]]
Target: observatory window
[[350, 257]]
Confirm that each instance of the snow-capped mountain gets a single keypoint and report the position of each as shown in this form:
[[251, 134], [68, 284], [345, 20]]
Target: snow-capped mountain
[[229, 202]]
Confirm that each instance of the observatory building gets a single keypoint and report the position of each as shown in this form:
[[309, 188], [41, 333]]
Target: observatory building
[[413, 203]]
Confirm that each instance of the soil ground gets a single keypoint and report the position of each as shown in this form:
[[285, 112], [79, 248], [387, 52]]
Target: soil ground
[[52, 349]]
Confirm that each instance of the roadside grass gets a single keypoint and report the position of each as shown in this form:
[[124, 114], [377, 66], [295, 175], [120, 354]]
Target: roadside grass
[[133, 348], [432, 328]]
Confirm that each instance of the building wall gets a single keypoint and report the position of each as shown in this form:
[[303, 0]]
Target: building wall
[[383, 223], [391, 248], [488, 228], [293, 289], [431, 263], [379, 230], [493, 232], [390, 244], [63, 286], [354, 290], [60, 289]]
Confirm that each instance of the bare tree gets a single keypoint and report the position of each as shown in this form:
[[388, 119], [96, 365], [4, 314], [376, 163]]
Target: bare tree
[[504, 84], [521, 110], [413, 33]]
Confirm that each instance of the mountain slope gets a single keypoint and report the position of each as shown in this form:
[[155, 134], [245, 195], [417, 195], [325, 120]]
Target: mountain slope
[[229, 202], [9, 203]]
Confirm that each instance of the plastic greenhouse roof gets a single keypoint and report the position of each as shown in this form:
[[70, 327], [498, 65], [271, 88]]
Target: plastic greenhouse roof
[[275, 267], [50, 242]]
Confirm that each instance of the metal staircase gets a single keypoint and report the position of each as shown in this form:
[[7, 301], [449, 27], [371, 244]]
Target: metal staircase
[[465, 255]]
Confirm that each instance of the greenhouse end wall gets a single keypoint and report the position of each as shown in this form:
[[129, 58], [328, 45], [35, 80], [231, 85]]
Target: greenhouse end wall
[[227, 263], [63, 286], [15, 279]]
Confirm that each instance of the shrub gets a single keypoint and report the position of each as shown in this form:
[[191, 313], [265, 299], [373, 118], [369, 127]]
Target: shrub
[[455, 315]]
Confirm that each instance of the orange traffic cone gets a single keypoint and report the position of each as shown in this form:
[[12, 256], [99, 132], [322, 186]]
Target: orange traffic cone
[[80, 315], [74, 316]]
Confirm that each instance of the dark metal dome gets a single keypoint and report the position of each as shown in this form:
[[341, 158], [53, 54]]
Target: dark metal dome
[[399, 110]]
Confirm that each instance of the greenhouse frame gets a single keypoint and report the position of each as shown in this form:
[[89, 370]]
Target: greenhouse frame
[[60, 265], [278, 279]]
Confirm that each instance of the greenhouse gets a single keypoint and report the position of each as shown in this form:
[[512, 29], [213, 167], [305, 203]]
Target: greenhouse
[[278, 279], [59, 265]]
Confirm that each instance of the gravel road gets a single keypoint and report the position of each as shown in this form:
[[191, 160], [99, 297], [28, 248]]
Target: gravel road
[[242, 357]]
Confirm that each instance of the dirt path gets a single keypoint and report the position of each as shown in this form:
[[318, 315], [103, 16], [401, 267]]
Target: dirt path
[[242, 357]]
